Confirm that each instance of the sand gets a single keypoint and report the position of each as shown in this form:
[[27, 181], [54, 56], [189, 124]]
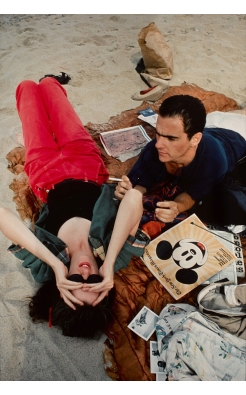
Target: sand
[[100, 53]]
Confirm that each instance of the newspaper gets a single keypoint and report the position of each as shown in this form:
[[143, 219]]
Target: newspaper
[[124, 143], [157, 365], [236, 268], [148, 116]]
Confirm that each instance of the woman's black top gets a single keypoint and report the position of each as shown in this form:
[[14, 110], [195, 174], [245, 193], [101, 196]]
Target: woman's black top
[[70, 198]]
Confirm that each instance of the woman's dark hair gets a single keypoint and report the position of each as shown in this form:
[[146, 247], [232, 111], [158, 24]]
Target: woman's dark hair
[[85, 321], [189, 108]]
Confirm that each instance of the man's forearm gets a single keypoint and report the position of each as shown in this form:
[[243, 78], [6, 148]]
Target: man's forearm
[[184, 202]]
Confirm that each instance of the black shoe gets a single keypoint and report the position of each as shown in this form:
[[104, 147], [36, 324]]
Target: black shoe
[[63, 79]]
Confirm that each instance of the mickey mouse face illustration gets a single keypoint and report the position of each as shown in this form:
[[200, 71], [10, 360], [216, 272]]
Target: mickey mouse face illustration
[[189, 254]]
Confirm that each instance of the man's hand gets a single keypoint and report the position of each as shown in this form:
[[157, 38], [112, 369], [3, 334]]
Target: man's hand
[[167, 211], [122, 187]]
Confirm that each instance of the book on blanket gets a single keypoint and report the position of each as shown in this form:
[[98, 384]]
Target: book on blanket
[[185, 256], [124, 143]]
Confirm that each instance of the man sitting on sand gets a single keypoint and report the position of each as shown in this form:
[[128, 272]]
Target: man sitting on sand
[[183, 164]]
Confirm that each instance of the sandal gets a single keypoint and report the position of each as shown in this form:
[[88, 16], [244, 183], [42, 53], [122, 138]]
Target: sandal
[[152, 94], [63, 78]]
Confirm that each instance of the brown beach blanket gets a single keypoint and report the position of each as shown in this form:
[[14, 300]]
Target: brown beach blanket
[[126, 355]]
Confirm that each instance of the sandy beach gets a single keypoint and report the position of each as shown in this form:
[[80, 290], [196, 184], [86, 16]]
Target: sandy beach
[[100, 53]]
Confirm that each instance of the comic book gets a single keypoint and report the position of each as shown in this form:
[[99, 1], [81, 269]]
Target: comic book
[[185, 256]]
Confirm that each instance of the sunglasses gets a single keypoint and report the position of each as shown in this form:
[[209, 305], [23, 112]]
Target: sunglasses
[[92, 279]]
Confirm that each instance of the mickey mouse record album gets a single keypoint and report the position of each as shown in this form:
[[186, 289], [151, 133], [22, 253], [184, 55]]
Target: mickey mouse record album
[[185, 256]]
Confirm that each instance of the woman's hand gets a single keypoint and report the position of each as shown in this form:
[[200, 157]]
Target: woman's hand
[[13, 228], [122, 188], [65, 286], [107, 272]]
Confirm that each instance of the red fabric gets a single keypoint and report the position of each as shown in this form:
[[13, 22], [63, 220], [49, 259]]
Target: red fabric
[[57, 145], [153, 228]]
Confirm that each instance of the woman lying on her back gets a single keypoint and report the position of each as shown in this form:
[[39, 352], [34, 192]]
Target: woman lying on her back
[[66, 172]]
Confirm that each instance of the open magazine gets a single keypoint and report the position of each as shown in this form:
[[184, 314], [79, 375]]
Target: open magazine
[[124, 143], [185, 256]]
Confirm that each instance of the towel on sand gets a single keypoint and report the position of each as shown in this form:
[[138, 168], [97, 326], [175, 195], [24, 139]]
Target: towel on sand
[[127, 355]]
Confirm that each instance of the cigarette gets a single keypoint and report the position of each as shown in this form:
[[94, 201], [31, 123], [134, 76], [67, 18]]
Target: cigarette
[[115, 179]]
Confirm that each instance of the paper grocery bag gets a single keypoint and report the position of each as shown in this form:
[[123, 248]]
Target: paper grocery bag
[[157, 55]]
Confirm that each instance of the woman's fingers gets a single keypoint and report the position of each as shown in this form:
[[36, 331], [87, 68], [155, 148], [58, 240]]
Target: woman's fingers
[[66, 286], [99, 287], [70, 300], [70, 284], [100, 298]]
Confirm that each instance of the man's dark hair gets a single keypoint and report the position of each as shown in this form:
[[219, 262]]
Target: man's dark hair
[[190, 109], [85, 321]]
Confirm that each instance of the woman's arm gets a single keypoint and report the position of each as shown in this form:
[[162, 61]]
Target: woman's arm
[[15, 230], [126, 223]]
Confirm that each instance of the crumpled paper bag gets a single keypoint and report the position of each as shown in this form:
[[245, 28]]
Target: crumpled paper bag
[[157, 55]]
